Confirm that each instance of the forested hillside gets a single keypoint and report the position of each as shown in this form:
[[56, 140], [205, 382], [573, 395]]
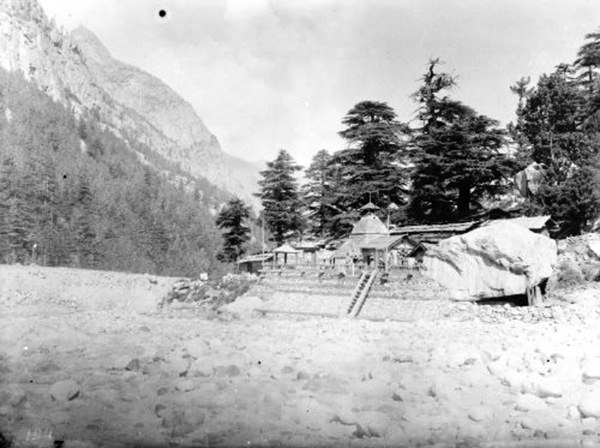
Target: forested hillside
[[74, 194]]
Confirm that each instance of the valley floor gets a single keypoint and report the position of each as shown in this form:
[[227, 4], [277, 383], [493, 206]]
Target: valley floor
[[88, 359]]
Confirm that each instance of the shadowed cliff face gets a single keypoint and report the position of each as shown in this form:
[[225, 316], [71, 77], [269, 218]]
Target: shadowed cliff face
[[78, 70]]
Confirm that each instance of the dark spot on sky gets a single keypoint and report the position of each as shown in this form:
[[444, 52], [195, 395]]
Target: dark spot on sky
[[64, 176], [162, 13]]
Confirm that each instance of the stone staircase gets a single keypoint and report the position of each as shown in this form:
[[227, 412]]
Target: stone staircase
[[359, 296]]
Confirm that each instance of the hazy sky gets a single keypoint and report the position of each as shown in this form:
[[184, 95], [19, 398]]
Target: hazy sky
[[270, 74]]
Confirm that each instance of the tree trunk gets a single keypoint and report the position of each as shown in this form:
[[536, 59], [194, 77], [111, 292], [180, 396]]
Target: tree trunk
[[464, 201]]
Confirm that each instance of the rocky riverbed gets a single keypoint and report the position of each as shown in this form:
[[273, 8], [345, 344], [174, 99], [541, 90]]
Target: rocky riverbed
[[87, 359]]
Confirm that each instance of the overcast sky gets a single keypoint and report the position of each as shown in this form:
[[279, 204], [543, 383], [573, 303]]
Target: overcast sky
[[270, 74]]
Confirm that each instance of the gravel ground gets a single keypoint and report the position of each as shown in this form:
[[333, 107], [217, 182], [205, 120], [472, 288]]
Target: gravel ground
[[88, 360]]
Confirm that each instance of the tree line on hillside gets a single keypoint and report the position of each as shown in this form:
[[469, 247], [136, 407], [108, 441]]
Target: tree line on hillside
[[74, 194], [451, 166]]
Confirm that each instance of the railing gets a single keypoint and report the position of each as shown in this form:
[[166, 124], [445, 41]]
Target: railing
[[361, 293], [357, 291]]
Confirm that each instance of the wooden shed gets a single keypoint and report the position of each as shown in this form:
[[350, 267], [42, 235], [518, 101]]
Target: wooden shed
[[252, 264], [432, 233], [537, 224]]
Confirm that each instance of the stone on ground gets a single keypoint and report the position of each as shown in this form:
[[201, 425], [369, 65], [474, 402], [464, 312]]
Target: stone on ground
[[590, 369], [64, 390], [545, 387], [203, 366], [480, 413], [497, 260], [196, 347], [180, 422], [227, 371], [178, 362], [589, 405], [529, 402], [134, 364], [13, 396]]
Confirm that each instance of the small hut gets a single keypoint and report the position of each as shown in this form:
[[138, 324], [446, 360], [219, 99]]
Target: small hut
[[419, 251], [252, 264], [286, 255], [309, 251]]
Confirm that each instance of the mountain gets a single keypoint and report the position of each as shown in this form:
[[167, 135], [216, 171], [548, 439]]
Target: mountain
[[72, 193], [77, 70]]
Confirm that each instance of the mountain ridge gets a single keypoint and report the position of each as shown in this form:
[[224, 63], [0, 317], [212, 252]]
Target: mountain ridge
[[77, 69]]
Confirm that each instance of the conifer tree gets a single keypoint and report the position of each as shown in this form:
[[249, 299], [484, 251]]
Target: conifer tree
[[96, 207], [455, 154], [588, 59], [232, 219], [7, 179], [561, 126], [372, 162], [515, 130], [83, 217], [372, 166], [318, 194], [279, 194]]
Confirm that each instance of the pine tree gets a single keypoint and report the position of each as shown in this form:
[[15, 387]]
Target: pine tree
[[7, 179], [572, 203], [372, 166], [98, 207], [83, 217], [455, 154], [318, 194], [282, 207], [559, 123], [232, 219], [588, 59], [552, 119], [522, 90], [372, 131]]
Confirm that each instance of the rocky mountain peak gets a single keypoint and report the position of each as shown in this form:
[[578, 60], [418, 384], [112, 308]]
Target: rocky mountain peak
[[144, 93], [94, 48]]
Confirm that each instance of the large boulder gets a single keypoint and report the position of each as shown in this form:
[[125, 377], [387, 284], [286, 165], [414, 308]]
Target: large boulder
[[498, 260], [594, 245], [578, 261], [529, 180]]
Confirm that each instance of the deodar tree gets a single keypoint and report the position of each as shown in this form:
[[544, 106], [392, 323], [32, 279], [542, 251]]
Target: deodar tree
[[232, 219], [318, 194], [372, 165], [282, 207], [456, 154]]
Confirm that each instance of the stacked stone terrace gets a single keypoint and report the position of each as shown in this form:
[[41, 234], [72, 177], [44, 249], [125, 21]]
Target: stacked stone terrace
[[324, 292]]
